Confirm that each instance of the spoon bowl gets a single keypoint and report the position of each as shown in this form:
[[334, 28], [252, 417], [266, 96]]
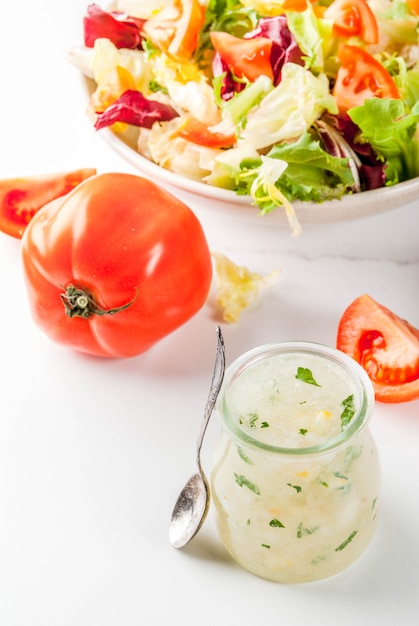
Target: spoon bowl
[[190, 511], [192, 505]]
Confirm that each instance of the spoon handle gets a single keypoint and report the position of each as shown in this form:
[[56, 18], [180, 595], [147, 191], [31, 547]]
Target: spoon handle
[[216, 382]]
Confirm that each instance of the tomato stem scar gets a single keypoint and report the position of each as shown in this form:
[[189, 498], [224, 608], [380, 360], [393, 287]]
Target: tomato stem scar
[[78, 302]]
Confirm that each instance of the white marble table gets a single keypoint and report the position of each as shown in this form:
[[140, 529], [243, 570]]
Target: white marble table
[[93, 452]]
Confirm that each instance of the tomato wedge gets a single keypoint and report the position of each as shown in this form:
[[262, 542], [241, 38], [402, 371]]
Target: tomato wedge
[[245, 58], [295, 5], [385, 345], [301, 5], [413, 5], [175, 29], [192, 19], [353, 18], [21, 198], [197, 132], [360, 77]]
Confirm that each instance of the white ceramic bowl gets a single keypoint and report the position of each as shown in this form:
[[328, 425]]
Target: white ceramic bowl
[[226, 202]]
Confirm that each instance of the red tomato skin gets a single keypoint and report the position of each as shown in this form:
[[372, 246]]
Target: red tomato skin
[[414, 6], [21, 198], [360, 77], [123, 239], [385, 345], [197, 132], [244, 57], [353, 18]]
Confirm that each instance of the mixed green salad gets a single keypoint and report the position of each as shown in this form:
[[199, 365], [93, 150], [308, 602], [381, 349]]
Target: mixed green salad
[[282, 100]]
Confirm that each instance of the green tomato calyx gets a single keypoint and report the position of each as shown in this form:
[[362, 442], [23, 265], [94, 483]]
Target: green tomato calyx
[[79, 302]]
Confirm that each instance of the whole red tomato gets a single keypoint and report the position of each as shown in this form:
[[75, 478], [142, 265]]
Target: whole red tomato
[[115, 265]]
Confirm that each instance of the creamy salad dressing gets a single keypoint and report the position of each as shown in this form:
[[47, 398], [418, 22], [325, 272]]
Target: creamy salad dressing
[[295, 478]]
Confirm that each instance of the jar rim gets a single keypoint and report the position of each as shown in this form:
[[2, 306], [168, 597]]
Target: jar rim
[[360, 379]]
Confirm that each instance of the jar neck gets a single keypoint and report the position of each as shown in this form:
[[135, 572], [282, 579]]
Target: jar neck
[[237, 406]]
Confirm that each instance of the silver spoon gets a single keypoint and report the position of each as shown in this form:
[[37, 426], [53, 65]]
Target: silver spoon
[[192, 504]]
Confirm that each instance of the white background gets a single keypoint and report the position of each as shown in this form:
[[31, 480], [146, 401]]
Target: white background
[[93, 452]]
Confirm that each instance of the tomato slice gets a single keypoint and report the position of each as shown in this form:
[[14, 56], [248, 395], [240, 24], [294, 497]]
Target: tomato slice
[[385, 345], [197, 132], [185, 41], [245, 58], [360, 77], [413, 5], [175, 29], [353, 18], [301, 5], [295, 5], [21, 198]]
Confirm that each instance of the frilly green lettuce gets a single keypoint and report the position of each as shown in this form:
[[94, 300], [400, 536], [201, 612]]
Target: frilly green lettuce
[[391, 130], [312, 36]]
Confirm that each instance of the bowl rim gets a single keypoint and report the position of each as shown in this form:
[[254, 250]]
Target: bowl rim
[[347, 208]]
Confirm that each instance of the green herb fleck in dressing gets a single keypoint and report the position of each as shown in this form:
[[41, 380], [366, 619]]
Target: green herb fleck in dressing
[[348, 411], [345, 543], [275, 523], [303, 532], [305, 375], [340, 475], [243, 481], [297, 488], [244, 456]]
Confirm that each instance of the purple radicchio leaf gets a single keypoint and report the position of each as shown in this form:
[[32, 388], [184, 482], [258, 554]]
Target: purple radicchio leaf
[[284, 45], [123, 30], [284, 49], [339, 136], [134, 108], [229, 86]]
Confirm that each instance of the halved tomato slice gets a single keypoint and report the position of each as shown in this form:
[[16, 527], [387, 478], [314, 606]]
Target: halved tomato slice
[[21, 198], [413, 5], [385, 345], [247, 58], [175, 29], [197, 132], [353, 18], [359, 77]]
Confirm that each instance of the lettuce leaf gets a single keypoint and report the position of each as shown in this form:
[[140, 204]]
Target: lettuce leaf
[[240, 104], [310, 174], [398, 24], [306, 29], [392, 131], [287, 111]]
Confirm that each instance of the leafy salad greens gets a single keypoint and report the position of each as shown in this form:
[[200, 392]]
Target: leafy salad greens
[[282, 100]]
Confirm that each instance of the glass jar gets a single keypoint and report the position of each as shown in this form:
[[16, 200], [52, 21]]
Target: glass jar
[[295, 476]]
